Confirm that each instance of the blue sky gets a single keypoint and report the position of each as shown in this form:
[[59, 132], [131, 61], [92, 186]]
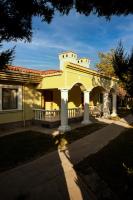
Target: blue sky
[[85, 35]]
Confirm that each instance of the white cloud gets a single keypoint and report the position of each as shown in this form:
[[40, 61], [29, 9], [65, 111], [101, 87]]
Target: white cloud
[[84, 35]]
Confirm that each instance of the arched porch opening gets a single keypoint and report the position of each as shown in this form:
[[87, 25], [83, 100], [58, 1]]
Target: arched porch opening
[[71, 105], [96, 101], [75, 96], [76, 101]]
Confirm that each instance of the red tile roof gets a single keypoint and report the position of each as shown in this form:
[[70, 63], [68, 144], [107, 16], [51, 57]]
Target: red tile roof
[[51, 72], [33, 71]]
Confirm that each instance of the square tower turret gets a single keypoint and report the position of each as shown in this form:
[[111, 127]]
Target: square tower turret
[[67, 56], [85, 62]]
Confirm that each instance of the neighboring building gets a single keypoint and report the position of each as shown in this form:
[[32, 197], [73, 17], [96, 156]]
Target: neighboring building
[[28, 95]]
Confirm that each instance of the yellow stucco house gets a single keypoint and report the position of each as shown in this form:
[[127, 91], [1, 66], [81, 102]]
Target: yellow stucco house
[[73, 91]]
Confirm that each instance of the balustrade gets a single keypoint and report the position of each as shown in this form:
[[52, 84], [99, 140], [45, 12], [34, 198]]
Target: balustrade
[[53, 115]]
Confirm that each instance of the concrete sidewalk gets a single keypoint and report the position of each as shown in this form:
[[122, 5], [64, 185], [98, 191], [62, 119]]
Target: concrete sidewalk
[[52, 176]]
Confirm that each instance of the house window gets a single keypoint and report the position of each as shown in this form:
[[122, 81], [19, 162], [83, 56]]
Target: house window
[[9, 98]]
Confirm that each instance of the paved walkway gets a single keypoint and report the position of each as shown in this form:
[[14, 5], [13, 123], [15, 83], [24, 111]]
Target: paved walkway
[[52, 176]]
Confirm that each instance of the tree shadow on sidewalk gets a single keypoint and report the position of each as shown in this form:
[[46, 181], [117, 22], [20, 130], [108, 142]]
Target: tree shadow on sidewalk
[[53, 176]]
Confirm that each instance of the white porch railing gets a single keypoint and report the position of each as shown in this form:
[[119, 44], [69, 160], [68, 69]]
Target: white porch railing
[[54, 115], [75, 112], [46, 115]]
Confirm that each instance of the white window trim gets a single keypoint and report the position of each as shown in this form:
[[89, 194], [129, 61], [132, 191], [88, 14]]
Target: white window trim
[[19, 95]]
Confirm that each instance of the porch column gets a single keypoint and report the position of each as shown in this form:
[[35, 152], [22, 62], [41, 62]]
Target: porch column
[[106, 111], [114, 105], [64, 111], [86, 108]]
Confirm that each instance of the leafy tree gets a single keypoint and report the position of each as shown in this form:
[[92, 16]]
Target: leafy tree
[[6, 57], [106, 65], [123, 66], [16, 16]]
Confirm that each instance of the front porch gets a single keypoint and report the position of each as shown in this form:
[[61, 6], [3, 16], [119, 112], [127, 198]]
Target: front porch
[[52, 118], [61, 107], [55, 115]]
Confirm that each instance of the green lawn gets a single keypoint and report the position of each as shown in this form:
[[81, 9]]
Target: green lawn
[[23, 147], [108, 163]]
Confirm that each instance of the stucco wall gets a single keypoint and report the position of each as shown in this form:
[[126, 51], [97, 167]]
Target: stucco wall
[[55, 81], [72, 75], [30, 99], [10, 116]]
